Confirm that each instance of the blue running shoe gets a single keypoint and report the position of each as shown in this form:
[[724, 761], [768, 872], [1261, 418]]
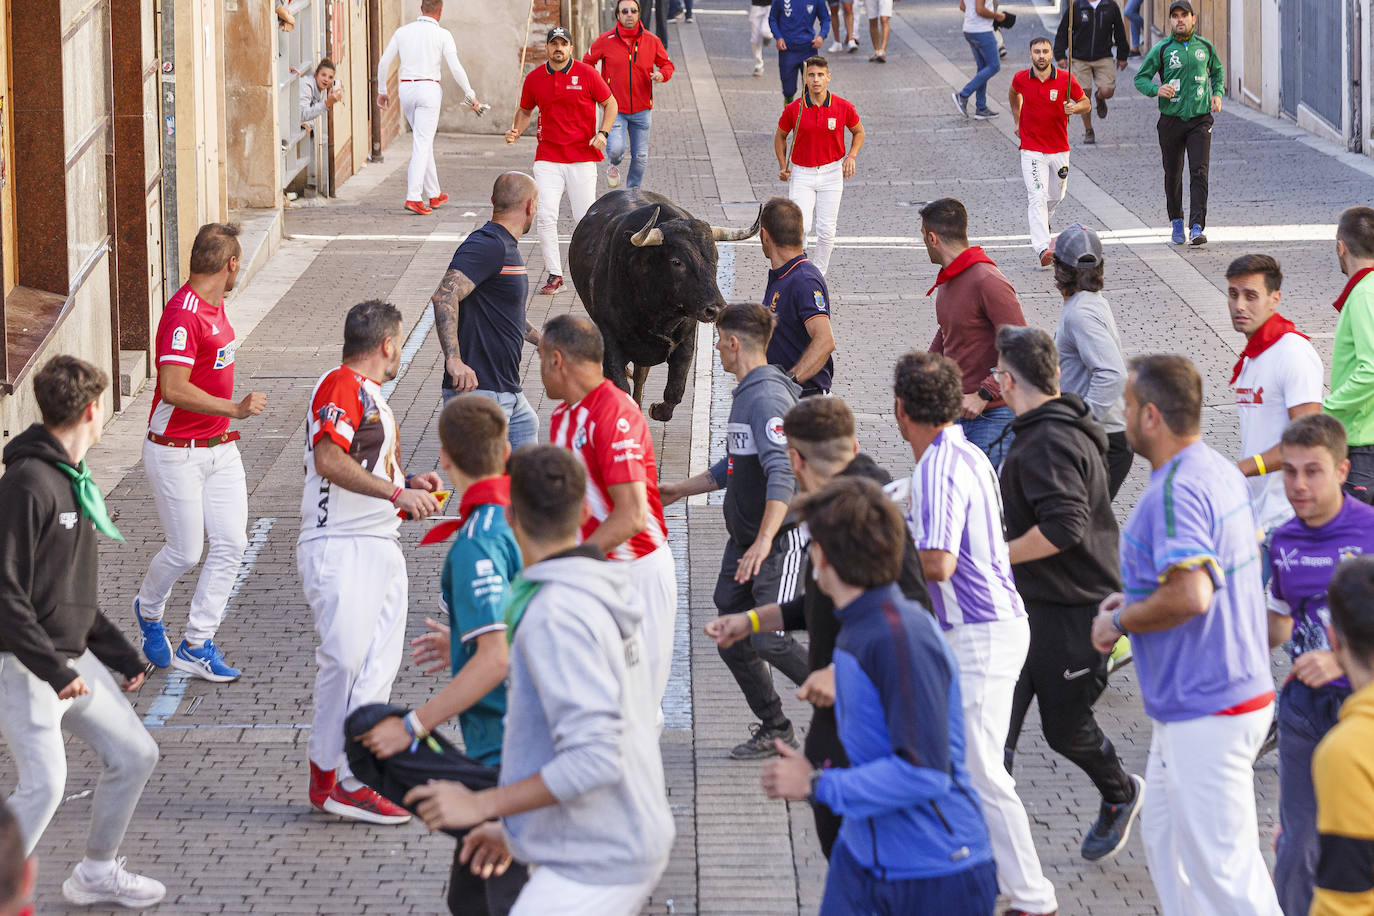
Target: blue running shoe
[[155, 643], [1178, 238], [206, 662], [1195, 236]]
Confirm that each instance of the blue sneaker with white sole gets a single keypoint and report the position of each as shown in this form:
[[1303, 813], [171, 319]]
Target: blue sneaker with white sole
[[206, 662], [156, 646], [1177, 237]]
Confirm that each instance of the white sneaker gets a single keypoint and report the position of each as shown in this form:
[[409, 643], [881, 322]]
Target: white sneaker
[[758, 69], [120, 886], [852, 45], [613, 177], [835, 48]]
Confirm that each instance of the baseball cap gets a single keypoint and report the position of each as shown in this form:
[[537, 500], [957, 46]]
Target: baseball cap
[[558, 32], [1078, 246], [1184, 5]]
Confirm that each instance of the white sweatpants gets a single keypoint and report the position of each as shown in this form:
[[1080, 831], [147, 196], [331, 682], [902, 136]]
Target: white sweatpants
[[357, 591], [818, 191], [551, 178], [990, 657], [549, 892], [420, 102], [198, 492], [653, 579], [1198, 823], [758, 31], [1047, 181]]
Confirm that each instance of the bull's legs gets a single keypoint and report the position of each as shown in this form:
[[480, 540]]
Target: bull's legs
[[612, 363], [679, 361], [640, 376]]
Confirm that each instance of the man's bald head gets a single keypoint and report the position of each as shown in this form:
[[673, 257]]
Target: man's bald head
[[511, 192], [577, 338]]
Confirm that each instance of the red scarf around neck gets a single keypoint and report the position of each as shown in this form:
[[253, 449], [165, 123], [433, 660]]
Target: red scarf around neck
[[1350, 287], [966, 259], [493, 491], [1264, 338], [629, 35]]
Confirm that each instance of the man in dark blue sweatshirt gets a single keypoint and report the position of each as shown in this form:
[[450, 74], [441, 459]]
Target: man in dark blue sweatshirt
[[913, 838], [794, 25]]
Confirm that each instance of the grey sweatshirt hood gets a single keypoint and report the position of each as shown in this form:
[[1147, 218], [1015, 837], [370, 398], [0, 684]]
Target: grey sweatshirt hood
[[607, 583]]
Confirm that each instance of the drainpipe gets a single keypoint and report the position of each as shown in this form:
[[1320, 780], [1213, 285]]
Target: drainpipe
[[374, 55], [1355, 143], [171, 266]]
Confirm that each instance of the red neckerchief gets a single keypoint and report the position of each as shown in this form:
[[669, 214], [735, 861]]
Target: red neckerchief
[[1265, 337], [1340, 303], [494, 491], [966, 259], [629, 36]]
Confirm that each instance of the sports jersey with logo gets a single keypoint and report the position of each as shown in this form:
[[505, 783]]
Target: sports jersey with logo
[[609, 435], [820, 138], [567, 101], [1044, 125], [195, 334], [349, 410]]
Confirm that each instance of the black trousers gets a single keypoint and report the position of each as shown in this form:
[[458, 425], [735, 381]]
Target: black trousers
[[1119, 458], [1360, 481], [1193, 137], [1067, 674], [468, 895], [823, 749], [778, 580]]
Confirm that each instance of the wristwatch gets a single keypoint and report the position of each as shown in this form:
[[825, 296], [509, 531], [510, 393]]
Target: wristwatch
[[604, 134], [815, 778], [791, 376], [985, 394]]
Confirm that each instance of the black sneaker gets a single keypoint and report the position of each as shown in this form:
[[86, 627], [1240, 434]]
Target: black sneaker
[[1271, 741], [1101, 107], [1112, 828], [984, 114], [1089, 137], [760, 743]]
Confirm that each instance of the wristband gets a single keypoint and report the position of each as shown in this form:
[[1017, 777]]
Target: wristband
[[753, 621], [604, 134], [415, 726], [1259, 465], [1116, 621], [396, 494]]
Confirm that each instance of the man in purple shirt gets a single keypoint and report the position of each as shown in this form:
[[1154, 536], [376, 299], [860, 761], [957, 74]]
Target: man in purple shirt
[[1329, 527], [1193, 605]]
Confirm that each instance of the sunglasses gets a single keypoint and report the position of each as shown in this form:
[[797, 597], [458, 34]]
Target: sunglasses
[[626, 11]]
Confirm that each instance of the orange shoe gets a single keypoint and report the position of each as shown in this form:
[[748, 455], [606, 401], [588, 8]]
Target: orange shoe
[[437, 202], [322, 782], [419, 206], [363, 804]]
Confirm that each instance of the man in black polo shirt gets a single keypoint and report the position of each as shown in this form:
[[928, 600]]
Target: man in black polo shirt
[[479, 308], [803, 339]]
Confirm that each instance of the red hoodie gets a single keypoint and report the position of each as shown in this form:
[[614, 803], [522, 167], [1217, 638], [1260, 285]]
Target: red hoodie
[[630, 57]]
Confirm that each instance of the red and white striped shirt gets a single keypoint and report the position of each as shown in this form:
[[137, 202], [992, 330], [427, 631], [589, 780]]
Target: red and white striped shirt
[[609, 435], [195, 334]]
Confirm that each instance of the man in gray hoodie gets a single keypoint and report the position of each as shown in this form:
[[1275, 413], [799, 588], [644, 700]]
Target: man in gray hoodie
[[581, 793]]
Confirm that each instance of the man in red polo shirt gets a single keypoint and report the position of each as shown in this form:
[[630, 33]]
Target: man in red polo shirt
[[1042, 98], [193, 465], [818, 164], [566, 92], [629, 54]]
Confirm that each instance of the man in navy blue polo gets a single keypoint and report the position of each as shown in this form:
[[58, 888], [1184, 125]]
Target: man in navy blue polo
[[479, 308], [803, 340]]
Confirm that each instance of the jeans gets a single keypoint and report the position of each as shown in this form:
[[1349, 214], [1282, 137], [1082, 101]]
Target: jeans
[[32, 720], [637, 126], [522, 423], [985, 58], [1306, 714], [1360, 481], [1136, 21], [989, 431]]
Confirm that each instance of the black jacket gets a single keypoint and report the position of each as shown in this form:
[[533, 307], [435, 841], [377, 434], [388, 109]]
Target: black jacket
[[1055, 476], [49, 576], [1095, 31]]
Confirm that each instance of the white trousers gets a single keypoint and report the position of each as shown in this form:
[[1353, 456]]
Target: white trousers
[[758, 31], [551, 178], [420, 102], [990, 657], [1047, 181], [653, 579], [818, 191], [549, 892], [356, 588], [1198, 823], [198, 492]]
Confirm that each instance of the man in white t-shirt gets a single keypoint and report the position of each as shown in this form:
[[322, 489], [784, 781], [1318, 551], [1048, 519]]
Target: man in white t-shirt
[[1278, 377]]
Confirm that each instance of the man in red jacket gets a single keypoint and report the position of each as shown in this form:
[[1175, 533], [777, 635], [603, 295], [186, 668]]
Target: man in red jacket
[[632, 59]]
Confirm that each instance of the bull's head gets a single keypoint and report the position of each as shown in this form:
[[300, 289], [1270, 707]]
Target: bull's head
[[687, 260]]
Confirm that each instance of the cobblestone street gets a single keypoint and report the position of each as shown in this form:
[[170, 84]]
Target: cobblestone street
[[225, 822]]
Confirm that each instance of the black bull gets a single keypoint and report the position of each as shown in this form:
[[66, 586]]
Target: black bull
[[646, 272]]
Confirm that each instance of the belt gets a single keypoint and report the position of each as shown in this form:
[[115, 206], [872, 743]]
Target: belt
[[420, 81], [231, 436]]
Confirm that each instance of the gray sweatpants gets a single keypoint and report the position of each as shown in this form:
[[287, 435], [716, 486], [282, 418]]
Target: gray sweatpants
[[32, 719]]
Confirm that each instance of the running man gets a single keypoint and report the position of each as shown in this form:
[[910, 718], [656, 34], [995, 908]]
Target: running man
[[422, 45], [632, 60], [566, 92], [193, 465], [794, 26], [1352, 352], [1191, 84], [817, 166], [1041, 98], [1099, 28]]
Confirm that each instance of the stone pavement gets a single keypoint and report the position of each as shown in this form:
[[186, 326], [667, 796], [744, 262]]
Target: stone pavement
[[224, 821]]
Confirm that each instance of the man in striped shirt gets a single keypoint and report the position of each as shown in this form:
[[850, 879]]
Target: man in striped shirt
[[954, 511], [605, 429]]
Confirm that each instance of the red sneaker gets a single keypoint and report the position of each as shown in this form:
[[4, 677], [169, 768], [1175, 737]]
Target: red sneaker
[[364, 805], [436, 202], [419, 206], [322, 782], [1046, 258], [552, 285]]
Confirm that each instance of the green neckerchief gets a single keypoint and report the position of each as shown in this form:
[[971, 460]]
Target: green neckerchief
[[89, 498], [521, 592]]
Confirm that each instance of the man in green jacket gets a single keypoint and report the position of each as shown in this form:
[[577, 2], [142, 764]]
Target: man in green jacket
[[1352, 352], [1191, 84]]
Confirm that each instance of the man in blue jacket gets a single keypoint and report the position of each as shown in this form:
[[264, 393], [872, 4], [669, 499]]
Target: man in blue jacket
[[913, 838], [793, 23]]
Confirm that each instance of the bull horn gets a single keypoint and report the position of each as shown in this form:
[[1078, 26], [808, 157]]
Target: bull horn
[[735, 235], [648, 236]]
